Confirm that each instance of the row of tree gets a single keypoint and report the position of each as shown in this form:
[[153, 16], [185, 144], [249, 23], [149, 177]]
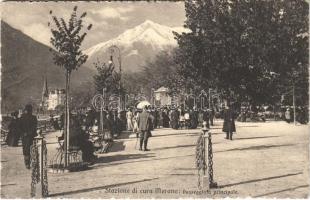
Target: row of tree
[[249, 50]]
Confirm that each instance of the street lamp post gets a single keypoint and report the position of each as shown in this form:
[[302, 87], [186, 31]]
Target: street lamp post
[[153, 97], [294, 104], [113, 49], [209, 98]]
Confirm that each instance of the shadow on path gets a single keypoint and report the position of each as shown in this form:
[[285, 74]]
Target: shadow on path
[[260, 147], [185, 168], [279, 191], [249, 126], [174, 147], [250, 138], [7, 184], [117, 146], [98, 188], [108, 159], [180, 134], [260, 179]]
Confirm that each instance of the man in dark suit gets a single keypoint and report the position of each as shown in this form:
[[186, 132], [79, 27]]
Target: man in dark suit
[[229, 122], [211, 116], [144, 122], [205, 117], [29, 131]]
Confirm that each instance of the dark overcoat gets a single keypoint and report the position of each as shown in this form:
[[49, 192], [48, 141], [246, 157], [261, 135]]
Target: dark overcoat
[[174, 119], [14, 133], [229, 121], [29, 131]]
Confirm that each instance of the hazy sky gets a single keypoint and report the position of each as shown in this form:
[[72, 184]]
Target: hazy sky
[[109, 19]]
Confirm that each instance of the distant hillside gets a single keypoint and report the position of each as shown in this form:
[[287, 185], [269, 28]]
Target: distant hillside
[[25, 62]]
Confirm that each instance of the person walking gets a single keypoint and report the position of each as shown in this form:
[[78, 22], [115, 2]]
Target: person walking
[[144, 120], [205, 117], [174, 119], [182, 119], [229, 122], [166, 118], [14, 130], [287, 115], [129, 116], [156, 117], [200, 118], [151, 125], [194, 118], [187, 119], [29, 131], [212, 113], [135, 123]]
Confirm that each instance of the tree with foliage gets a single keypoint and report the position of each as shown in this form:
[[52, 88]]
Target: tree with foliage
[[158, 72], [107, 78], [67, 38], [162, 71], [82, 95], [236, 46]]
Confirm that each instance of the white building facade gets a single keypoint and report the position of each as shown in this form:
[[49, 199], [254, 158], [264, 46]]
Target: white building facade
[[162, 97], [55, 98]]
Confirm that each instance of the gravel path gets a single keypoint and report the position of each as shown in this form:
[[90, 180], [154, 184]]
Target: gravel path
[[264, 160]]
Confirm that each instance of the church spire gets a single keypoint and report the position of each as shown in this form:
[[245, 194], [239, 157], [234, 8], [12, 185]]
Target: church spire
[[45, 90]]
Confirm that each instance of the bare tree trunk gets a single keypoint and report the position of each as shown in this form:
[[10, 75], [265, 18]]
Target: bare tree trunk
[[67, 121]]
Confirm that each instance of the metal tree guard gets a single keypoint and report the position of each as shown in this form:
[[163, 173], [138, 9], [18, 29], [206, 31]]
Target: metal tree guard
[[204, 159], [99, 104], [115, 102], [191, 96], [39, 167], [202, 96]]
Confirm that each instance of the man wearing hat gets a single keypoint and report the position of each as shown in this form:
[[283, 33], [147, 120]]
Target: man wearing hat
[[29, 131], [229, 122], [288, 115], [144, 122]]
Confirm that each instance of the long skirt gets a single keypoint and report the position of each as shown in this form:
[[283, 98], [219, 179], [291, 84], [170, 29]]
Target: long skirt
[[135, 127], [12, 139], [129, 125]]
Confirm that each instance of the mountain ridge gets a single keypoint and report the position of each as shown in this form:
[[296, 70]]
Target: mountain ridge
[[146, 40], [25, 63]]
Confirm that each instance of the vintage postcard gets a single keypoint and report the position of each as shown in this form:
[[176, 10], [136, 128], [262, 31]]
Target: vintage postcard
[[166, 99]]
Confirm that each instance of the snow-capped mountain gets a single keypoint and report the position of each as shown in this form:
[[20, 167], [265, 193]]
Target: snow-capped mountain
[[137, 45]]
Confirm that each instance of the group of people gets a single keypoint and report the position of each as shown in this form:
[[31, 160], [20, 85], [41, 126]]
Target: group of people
[[170, 117], [89, 130], [23, 127], [150, 118], [301, 115], [112, 123]]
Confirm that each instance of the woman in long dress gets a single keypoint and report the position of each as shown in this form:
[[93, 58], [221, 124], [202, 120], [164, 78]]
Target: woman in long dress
[[135, 123], [129, 117], [14, 131], [166, 119]]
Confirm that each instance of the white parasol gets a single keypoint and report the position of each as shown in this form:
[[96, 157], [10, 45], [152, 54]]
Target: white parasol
[[142, 104]]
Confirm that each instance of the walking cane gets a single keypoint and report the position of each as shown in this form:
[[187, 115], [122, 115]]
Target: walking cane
[[137, 139], [136, 143]]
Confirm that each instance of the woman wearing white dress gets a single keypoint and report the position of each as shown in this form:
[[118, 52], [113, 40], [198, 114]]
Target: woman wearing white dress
[[129, 117]]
